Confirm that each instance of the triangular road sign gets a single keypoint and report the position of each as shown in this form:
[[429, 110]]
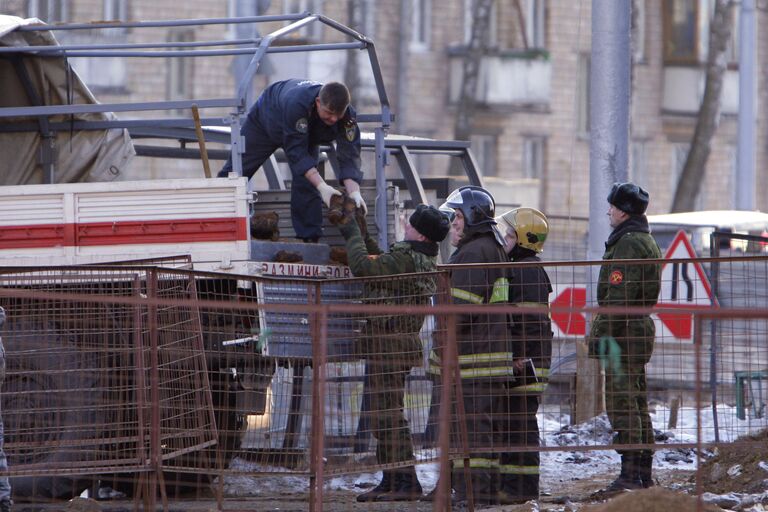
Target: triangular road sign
[[683, 285]]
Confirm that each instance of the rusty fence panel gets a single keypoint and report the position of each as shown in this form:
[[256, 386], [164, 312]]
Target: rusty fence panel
[[246, 391], [105, 387]]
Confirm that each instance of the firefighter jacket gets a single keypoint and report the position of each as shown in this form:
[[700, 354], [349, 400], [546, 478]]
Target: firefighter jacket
[[287, 112], [627, 284], [394, 338], [531, 333], [482, 337]]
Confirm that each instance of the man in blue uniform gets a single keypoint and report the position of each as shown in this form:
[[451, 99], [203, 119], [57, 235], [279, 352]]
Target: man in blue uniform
[[298, 116]]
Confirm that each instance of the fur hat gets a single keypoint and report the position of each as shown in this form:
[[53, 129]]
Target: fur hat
[[430, 222], [629, 198]]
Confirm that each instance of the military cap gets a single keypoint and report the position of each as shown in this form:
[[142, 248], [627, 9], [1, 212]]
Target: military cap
[[430, 222], [629, 198]]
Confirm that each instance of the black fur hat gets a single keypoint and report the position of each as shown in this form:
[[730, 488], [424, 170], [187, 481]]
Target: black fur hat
[[629, 198], [430, 222]]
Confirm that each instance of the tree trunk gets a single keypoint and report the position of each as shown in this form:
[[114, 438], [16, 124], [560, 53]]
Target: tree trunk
[[476, 48], [689, 184]]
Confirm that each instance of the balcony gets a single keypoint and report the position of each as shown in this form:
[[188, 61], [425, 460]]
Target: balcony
[[507, 77], [684, 90]]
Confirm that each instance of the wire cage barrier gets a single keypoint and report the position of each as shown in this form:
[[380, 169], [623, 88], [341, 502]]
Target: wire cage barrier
[[148, 379]]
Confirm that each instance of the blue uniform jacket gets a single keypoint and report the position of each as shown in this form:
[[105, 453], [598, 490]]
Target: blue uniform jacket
[[286, 110]]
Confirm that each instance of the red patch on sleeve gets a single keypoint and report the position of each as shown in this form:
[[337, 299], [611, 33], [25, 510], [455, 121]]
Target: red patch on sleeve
[[616, 277]]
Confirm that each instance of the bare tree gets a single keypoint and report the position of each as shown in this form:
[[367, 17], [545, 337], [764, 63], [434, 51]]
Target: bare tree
[[477, 46], [709, 113]]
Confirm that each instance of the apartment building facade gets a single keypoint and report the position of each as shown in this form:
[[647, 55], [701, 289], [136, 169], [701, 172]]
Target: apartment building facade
[[530, 129]]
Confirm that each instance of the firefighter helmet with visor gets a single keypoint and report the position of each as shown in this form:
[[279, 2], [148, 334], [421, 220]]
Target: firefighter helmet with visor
[[529, 224], [476, 205]]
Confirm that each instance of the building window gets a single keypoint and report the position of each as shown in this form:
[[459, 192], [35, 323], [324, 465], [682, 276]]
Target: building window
[[116, 10], [535, 23], [313, 31], [49, 11], [533, 156], [686, 31], [180, 69], [421, 21], [583, 122], [484, 149], [491, 36], [638, 30]]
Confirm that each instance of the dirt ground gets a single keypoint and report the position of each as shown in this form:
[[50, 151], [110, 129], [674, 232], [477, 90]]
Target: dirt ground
[[740, 469], [574, 496]]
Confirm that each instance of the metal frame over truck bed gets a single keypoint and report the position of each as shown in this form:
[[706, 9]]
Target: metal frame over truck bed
[[182, 128]]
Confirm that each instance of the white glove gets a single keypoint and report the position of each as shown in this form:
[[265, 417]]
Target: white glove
[[358, 199], [327, 192]]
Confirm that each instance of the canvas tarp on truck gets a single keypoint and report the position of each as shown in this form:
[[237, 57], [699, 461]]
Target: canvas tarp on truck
[[28, 79]]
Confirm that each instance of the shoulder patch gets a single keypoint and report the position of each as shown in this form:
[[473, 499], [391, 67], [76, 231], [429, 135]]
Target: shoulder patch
[[350, 133], [616, 277], [302, 125]]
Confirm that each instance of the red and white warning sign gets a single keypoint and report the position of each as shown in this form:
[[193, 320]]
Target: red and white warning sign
[[684, 284], [571, 323]]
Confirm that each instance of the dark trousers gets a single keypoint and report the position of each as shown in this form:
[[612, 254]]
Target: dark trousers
[[485, 407], [519, 471], [306, 204]]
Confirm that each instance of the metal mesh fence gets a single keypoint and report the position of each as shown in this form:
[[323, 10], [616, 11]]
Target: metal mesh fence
[[139, 381]]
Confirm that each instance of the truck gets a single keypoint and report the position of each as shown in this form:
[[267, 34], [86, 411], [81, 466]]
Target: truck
[[79, 230]]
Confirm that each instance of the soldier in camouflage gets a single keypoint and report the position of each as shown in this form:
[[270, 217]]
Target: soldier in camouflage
[[390, 344], [624, 343]]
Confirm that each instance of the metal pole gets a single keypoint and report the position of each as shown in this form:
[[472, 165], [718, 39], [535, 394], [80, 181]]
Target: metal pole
[[609, 97], [381, 187], [403, 52], [745, 169]]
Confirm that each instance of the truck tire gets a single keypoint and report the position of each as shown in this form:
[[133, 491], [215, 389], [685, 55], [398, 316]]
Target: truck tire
[[50, 396]]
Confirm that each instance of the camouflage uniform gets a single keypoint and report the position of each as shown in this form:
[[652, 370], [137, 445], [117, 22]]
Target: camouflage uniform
[[531, 337], [625, 342], [390, 344]]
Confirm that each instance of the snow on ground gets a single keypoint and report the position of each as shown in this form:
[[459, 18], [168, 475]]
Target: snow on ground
[[556, 466]]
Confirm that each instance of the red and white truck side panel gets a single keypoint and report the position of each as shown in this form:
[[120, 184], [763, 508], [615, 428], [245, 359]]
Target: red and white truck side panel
[[79, 223]]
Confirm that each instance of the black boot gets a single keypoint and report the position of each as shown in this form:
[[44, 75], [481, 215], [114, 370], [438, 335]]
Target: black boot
[[645, 467], [385, 486], [406, 486], [628, 480]]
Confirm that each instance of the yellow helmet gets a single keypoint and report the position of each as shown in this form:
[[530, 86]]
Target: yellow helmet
[[530, 225]]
